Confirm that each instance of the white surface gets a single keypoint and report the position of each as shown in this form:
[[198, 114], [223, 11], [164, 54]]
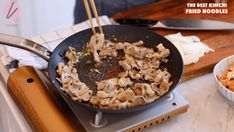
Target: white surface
[[219, 70], [45, 15], [37, 17], [209, 111], [7, 26]]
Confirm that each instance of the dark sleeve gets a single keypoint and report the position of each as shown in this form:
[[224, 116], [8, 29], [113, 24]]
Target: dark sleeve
[[79, 12], [107, 7]]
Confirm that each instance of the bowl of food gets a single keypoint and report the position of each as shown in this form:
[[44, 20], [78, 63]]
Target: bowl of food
[[224, 76]]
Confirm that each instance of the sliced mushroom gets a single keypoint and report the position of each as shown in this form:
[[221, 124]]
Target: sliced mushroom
[[123, 74], [94, 100], [107, 85], [86, 95], [163, 52], [96, 43], [135, 75], [125, 65], [102, 94], [138, 100], [71, 54], [148, 90], [137, 52], [123, 82], [105, 101], [126, 95], [119, 46], [139, 90]]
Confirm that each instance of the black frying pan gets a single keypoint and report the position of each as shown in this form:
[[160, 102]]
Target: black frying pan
[[120, 33]]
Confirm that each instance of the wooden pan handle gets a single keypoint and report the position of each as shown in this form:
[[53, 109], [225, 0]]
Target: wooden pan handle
[[36, 104]]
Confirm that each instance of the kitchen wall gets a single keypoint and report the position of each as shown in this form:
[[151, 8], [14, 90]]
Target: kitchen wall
[[36, 16]]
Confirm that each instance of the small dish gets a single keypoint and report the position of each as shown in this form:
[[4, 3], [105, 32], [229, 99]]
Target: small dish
[[219, 69]]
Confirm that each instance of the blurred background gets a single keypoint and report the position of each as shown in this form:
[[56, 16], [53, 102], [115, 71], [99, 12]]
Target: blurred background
[[41, 16], [34, 17], [37, 16]]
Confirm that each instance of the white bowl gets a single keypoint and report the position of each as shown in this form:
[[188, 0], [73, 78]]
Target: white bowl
[[219, 70]]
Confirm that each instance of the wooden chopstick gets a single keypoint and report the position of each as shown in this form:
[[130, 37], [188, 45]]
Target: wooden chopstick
[[96, 15], [90, 16]]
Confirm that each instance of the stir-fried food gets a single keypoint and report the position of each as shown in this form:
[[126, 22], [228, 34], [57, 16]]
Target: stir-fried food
[[227, 79], [140, 81]]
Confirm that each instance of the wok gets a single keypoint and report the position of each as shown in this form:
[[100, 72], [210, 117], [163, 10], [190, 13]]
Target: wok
[[120, 33]]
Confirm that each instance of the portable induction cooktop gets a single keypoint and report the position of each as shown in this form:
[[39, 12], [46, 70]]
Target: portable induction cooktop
[[170, 106]]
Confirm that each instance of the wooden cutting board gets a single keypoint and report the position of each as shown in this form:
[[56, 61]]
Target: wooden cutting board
[[221, 41]]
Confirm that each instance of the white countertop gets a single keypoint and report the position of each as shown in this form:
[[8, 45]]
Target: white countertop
[[209, 111]]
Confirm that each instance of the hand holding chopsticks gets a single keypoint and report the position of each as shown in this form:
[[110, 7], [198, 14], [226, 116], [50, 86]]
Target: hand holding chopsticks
[[90, 15]]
